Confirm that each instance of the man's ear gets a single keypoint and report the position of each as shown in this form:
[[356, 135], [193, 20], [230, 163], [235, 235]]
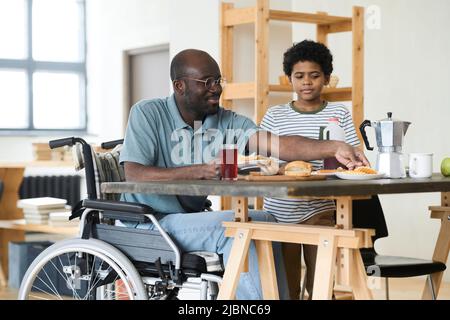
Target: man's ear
[[327, 80], [178, 86]]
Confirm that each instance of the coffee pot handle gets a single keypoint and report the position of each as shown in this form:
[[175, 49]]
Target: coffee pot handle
[[362, 129]]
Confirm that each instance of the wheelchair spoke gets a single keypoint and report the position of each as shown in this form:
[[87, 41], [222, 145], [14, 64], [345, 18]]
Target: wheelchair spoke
[[47, 293], [66, 277], [52, 289], [81, 270], [90, 285]]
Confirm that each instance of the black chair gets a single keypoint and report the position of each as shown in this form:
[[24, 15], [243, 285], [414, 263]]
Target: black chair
[[369, 214]]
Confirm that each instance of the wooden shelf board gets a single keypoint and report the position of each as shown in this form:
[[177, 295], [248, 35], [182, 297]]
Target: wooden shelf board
[[40, 163], [239, 91], [235, 91], [238, 16], [21, 225], [332, 94], [306, 17], [234, 17]]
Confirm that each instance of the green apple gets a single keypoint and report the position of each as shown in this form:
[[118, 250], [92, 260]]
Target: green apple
[[445, 167]]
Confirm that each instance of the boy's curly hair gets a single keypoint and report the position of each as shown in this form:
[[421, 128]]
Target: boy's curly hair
[[308, 50]]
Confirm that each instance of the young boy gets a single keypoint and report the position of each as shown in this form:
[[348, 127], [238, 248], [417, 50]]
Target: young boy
[[308, 65]]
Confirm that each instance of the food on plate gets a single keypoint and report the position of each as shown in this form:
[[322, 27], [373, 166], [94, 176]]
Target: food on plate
[[298, 168], [362, 171], [270, 168], [325, 171]]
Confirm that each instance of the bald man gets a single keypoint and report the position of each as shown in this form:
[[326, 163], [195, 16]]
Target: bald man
[[178, 137]]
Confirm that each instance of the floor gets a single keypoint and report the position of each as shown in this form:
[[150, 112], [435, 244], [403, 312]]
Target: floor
[[400, 289]]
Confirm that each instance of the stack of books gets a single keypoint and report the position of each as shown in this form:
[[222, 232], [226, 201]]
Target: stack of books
[[38, 210]]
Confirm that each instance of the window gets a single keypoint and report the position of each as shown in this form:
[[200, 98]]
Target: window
[[42, 65]]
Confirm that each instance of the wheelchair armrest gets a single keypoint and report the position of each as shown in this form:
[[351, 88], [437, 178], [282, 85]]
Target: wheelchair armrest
[[131, 207], [121, 210]]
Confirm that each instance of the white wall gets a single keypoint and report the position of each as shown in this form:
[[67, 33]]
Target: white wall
[[406, 72], [113, 27]]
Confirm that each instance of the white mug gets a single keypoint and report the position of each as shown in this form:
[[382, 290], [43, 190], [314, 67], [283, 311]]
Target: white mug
[[420, 165]]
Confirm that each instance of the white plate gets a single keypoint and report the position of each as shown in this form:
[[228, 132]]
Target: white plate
[[328, 174], [347, 176]]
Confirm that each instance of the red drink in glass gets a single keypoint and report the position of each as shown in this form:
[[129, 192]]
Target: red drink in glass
[[229, 165]]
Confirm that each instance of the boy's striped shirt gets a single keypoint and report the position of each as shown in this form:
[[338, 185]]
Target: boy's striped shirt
[[284, 120]]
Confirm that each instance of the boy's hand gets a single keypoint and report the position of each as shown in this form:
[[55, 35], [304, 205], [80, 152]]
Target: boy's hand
[[350, 157]]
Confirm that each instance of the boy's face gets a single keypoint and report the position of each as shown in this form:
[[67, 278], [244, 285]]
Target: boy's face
[[308, 80]]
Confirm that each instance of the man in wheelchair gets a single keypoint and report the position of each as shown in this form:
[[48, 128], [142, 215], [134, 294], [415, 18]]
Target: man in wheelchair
[[156, 130], [168, 239]]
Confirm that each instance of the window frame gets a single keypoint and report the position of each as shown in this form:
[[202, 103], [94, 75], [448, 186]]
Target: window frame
[[30, 66]]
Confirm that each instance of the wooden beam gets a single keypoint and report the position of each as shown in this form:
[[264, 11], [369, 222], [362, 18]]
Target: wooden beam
[[235, 264], [240, 207], [337, 27], [442, 247], [234, 17], [305, 17], [261, 60], [322, 31], [337, 94], [330, 94], [358, 68], [324, 274], [239, 91], [226, 61], [267, 270], [344, 211], [226, 52], [359, 277]]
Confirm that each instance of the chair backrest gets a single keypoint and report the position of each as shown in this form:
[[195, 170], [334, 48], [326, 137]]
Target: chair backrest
[[105, 166], [369, 214]]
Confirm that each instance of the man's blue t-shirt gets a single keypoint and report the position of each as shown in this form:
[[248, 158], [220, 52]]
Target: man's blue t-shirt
[[158, 136]]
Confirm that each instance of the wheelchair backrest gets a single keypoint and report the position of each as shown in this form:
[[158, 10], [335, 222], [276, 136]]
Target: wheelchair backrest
[[106, 167]]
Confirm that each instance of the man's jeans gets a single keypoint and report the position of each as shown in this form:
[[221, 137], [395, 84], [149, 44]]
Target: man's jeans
[[203, 231]]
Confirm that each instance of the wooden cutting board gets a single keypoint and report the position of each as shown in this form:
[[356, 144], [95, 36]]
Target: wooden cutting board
[[256, 176]]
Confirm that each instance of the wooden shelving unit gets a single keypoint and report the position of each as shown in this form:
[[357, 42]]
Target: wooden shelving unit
[[260, 15], [12, 226]]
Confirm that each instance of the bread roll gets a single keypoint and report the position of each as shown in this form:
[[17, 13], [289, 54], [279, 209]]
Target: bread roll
[[298, 168]]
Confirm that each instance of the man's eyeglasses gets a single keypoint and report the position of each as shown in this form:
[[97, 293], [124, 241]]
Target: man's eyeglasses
[[210, 83]]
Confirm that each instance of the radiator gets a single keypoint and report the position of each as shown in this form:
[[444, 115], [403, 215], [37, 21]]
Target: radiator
[[63, 187]]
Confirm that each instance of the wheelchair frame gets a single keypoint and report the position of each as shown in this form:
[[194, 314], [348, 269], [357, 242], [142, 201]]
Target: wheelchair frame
[[158, 285]]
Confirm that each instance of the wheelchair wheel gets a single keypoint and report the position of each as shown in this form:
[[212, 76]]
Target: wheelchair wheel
[[78, 269]]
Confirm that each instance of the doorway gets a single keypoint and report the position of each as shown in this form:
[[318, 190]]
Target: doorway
[[146, 75]]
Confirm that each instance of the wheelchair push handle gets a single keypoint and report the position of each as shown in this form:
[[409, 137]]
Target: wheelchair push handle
[[111, 144], [62, 142], [65, 142]]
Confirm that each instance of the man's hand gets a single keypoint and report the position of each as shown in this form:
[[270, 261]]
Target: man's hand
[[210, 171], [350, 157]]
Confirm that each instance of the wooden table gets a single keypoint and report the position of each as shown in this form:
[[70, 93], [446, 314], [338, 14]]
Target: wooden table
[[329, 240]]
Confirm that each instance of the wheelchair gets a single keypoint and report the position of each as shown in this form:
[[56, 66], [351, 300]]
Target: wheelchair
[[107, 261]]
